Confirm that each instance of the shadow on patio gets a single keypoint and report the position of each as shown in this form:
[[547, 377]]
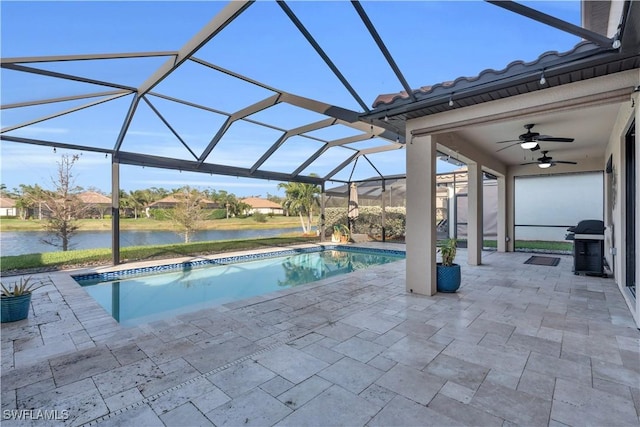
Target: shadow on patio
[[518, 344]]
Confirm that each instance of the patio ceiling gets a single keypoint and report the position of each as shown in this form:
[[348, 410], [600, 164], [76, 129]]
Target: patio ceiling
[[277, 129]]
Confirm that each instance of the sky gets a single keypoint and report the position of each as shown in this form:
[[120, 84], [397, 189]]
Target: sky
[[431, 42]]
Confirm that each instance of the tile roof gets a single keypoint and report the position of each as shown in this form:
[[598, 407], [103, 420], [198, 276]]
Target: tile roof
[[488, 75], [6, 202], [172, 200], [256, 202], [91, 197]]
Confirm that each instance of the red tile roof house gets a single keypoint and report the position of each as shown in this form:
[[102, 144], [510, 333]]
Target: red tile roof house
[[171, 201], [262, 206], [98, 204]]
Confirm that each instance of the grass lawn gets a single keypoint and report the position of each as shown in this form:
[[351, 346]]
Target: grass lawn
[[102, 256], [152, 224]]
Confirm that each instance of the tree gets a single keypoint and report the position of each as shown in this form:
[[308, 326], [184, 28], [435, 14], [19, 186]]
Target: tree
[[228, 200], [301, 198], [188, 214], [63, 205], [29, 200]]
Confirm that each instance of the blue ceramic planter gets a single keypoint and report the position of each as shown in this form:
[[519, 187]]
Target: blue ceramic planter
[[448, 278], [15, 308]]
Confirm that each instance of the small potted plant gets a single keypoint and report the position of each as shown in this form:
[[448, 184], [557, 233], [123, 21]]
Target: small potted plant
[[16, 297], [447, 272], [340, 234]]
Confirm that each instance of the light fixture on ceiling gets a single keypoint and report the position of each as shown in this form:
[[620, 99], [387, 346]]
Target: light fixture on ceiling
[[528, 145], [543, 80], [544, 165], [451, 100]]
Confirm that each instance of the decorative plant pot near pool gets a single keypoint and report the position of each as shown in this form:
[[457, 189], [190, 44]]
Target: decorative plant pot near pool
[[448, 277], [15, 308]]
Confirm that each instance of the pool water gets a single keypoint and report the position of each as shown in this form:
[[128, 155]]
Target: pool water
[[141, 299]]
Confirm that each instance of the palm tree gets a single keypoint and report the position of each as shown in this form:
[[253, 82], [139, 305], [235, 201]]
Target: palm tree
[[301, 198]]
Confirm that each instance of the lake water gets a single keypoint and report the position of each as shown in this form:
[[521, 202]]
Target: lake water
[[27, 242]]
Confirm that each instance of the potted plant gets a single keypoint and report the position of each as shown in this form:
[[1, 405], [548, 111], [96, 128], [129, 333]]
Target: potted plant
[[340, 234], [15, 299], [447, 272]]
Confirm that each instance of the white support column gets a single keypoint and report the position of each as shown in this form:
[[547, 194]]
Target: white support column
[[475, 217], [510, 212], [421, 216], [502, 214]]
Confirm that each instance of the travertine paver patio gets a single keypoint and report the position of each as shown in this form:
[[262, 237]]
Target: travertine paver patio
[[517, 345]]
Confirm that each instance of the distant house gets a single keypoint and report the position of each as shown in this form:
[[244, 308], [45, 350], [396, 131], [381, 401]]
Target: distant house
[[262, 206], [171, 201], [8, 207], [98, 205]]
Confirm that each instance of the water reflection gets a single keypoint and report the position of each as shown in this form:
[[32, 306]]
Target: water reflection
[[147, 298]]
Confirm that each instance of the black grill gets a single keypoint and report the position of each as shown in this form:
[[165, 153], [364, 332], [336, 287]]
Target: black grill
[[588, 247]]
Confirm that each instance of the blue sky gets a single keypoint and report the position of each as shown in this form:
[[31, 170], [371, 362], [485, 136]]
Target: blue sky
[[431, 42]]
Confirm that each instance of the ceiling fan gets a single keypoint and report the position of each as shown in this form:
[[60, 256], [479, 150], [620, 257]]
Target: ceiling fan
[[547, 161], [529, 140]]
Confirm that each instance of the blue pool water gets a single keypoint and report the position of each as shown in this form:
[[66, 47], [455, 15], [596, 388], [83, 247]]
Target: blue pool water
[[145, 298]]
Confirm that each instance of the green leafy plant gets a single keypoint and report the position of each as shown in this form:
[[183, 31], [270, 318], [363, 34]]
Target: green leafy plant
[[22, 286], [340, 231], [448, 252]]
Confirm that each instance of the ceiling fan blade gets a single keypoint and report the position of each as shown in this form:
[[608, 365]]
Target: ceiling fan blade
[[554, 139], [508, 146], [509, 140], [566, 163], [529, 163]]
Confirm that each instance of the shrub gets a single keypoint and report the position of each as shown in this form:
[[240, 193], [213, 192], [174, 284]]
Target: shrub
[[218, 214], [369, 220], [160, 214], [259, 217]]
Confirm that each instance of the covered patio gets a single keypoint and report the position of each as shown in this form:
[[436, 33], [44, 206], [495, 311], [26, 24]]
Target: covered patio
[[518, 344]]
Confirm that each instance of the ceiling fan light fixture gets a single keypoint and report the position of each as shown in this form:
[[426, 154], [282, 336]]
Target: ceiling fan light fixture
[[528, 145], [544, 165]]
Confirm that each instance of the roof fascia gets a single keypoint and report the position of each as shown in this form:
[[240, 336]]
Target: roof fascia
[[441, 95]]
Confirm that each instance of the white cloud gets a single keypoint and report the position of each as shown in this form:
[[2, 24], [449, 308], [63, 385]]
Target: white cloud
[[39, 130]]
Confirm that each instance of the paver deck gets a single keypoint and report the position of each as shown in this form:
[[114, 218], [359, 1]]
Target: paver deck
[[517, 345]]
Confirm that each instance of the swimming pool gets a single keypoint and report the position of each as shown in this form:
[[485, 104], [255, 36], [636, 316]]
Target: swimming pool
[[142, 295]]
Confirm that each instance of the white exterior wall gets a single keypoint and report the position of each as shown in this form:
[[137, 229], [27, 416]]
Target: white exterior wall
[[615, 221], [8, 212], [563, 199]]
